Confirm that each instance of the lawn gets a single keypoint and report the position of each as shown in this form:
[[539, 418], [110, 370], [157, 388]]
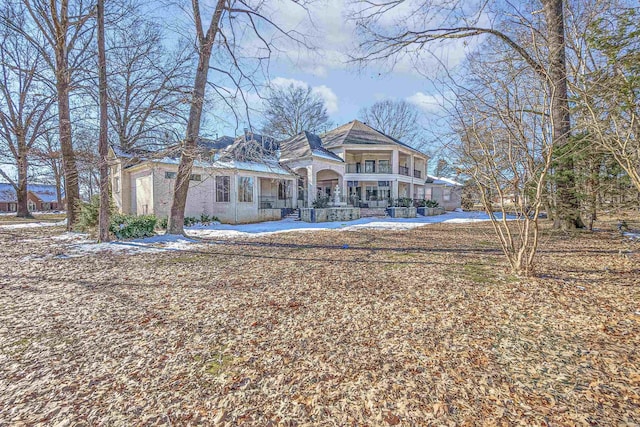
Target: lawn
[[423, 326]]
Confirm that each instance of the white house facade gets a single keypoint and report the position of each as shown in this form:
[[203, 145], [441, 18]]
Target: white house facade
[[250, 179]]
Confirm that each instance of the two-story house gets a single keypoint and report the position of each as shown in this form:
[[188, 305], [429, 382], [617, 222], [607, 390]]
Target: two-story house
[[371, 169]]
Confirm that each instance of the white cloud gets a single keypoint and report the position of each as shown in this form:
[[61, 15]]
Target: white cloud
[[329, 96], [427, 103], [324, 92]]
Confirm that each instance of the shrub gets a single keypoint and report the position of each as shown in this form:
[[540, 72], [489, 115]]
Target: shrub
[[431, 203], [132, 227], [404, 202], [163, 223], [203, 219], [87, 214], [321, 202]]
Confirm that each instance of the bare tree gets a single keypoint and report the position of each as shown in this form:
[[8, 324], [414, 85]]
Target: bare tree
[[236, 14], [105, 200], [428, 22], [205, 42], [25, 104], [506, 148], [398, 119], [63, 39], [147, 84], [292, 109]]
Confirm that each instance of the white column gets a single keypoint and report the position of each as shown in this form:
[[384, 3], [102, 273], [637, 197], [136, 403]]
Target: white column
[[311, 186], [394, 189], [395, 163], [411, 164]]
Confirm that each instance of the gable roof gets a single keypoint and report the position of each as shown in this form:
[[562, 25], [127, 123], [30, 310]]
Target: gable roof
[[358, 133], [45, 192], [305, 144]]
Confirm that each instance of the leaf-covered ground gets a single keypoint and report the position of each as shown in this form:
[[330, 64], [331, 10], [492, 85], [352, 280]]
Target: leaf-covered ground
[[369, 327]]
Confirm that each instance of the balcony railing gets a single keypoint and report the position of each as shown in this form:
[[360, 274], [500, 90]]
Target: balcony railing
[[417, 173], [402, 170], [354, 168], [272, 202]]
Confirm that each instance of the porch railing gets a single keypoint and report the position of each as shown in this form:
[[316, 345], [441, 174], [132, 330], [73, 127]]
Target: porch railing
[[272, 202], [403, 170], [353, 168], [417, 173]]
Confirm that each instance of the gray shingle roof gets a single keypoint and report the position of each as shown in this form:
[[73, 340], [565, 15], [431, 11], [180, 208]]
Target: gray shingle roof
[[305, 144], [356, 133]]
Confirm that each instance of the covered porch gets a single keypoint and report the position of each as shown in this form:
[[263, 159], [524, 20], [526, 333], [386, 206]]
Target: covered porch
[[275, 193]]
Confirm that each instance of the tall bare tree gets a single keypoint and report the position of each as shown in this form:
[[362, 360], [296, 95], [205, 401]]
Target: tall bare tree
[[228, 41], [64, 35], [147, 83], [25, 104], [427, 22], [105, 200], [398, 119], [205, 41], [292, 109]]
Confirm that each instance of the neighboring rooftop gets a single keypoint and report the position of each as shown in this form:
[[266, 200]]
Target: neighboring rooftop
[[45, 192], [443, 181]]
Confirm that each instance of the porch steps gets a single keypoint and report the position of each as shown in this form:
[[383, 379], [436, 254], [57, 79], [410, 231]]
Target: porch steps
[[295, 215], [373, 212]]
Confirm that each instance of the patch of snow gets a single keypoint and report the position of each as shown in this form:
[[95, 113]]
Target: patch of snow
[[34, 225], [631, 235], [290, 225]]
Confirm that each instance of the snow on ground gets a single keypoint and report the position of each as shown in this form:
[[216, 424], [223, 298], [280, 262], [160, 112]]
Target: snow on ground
[[72, 245], [33, 225], [223, 231], [631, 235]]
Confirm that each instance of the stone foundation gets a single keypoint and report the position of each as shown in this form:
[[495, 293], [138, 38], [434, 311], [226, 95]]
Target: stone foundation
[[329, 214], [400, 212]]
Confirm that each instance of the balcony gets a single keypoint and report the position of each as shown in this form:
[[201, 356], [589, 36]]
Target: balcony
[[417, 173], [368, 168], [402, 170]]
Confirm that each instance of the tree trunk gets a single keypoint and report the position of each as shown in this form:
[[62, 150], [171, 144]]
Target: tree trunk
[[181, 188], [63, 83], [103, 217], [22, 192], [567, 208]]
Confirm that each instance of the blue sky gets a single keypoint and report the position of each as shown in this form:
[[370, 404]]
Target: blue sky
[[345, 87]]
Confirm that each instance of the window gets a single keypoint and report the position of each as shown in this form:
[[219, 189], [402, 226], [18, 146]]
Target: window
[[371, 192], [170, 175], [195, 177], [446, 194], [13, 207], [427, 193], [222, 189], [245, 189], [369, 166], [384, 166], [284, 190], [116, 184]]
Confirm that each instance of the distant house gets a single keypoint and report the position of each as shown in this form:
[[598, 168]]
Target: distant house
[[40, 197], [445, 191], [253, 178]]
